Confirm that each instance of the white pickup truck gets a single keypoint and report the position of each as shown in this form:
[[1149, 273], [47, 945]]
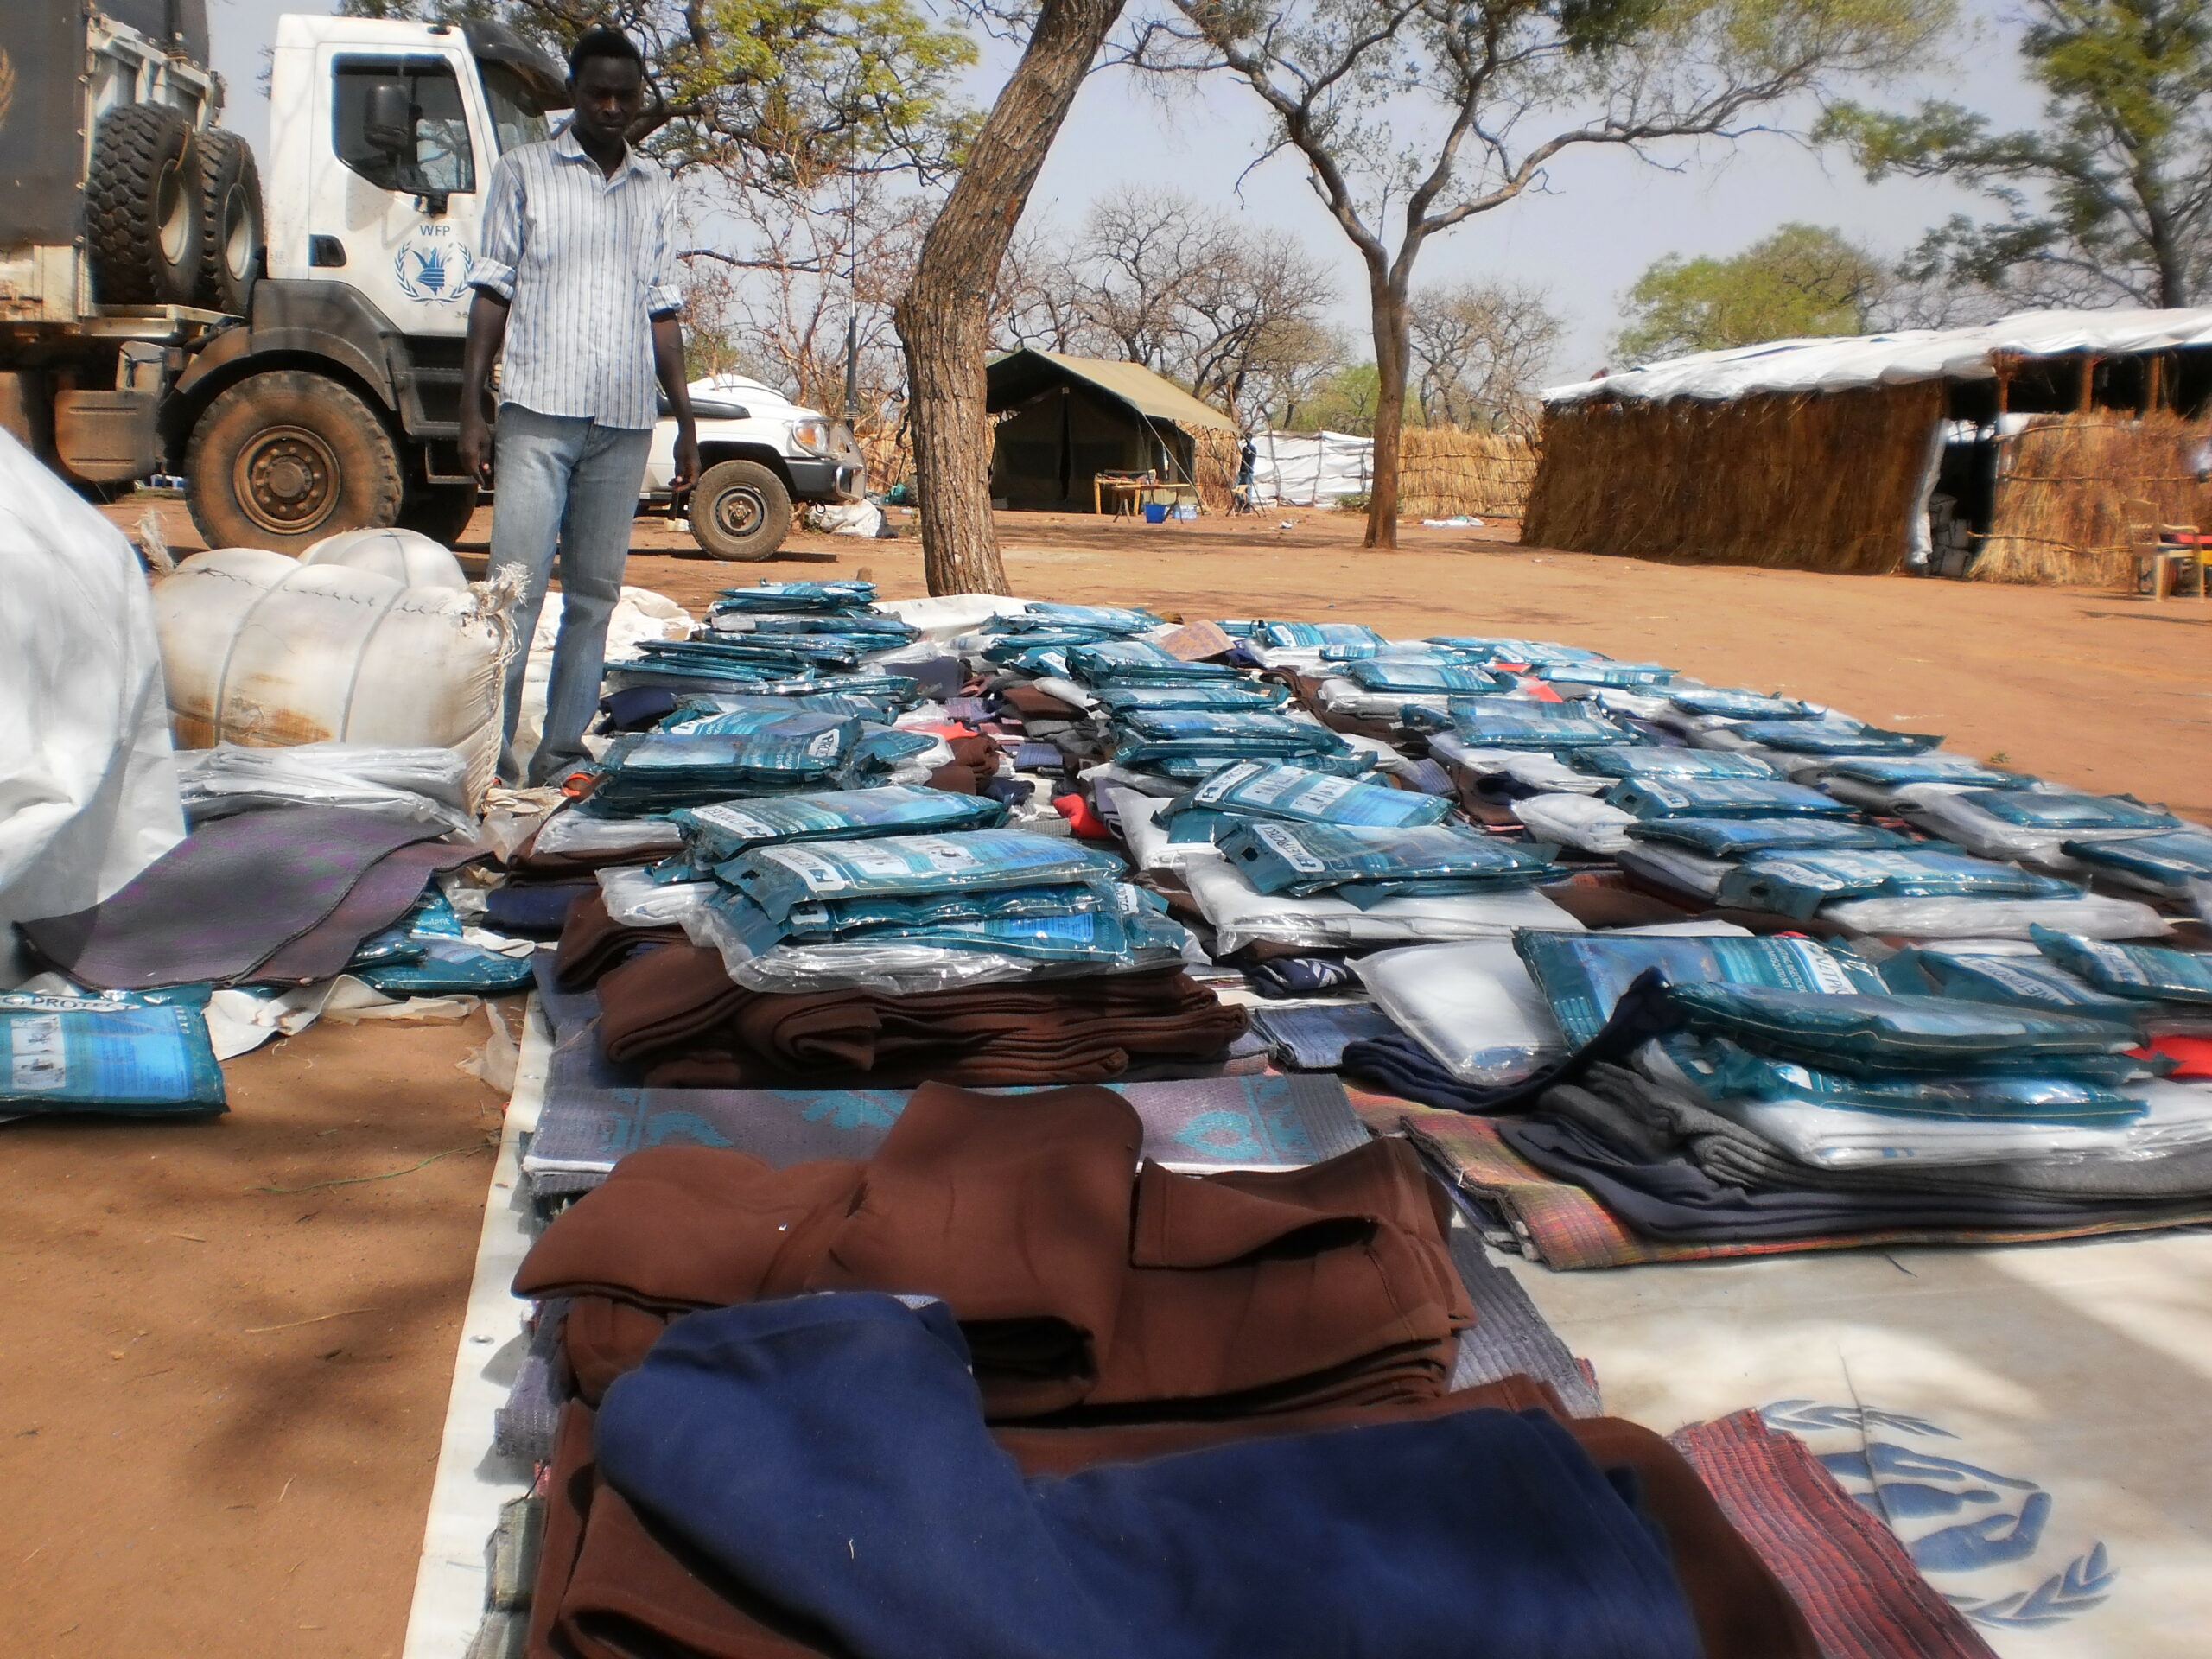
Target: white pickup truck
[[758, 452]]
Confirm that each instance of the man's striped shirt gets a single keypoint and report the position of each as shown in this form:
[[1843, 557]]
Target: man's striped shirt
[[585, 262]]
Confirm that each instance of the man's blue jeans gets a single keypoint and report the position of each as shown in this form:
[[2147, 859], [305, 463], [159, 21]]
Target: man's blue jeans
[[565, 486]]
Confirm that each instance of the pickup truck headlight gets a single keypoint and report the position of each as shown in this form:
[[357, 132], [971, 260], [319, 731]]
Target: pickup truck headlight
[[812, 436]]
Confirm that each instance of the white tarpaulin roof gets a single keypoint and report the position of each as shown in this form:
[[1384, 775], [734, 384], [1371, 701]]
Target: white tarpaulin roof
[[1310, 469], [1836, 365]]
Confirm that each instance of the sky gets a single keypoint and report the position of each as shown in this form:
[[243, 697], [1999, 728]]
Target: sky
[[1605, 219]]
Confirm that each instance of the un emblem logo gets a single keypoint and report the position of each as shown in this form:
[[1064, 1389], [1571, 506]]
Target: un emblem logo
[[431, 268]]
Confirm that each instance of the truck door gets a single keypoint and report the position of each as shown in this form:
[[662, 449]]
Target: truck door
[[397, 187]]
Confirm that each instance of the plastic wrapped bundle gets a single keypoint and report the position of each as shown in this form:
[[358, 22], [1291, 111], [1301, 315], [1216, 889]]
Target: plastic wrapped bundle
[[1582, 975], [692, 707], [1194, 743], [1221, 696], [1472, 1006], [2027, 824], [1241, 915], [1264, 789], [1879, 780], [1518, 723], [1798, 883], [2147, 973], [1877, 1034], [778, 878], [429, 784], [426, 954], [1578, 821], [1737, 838], [1157, 841], [804, 598], [1725, 1070], [863, 625], [1605, 673], [1526, 653], [1649, 761], [1368, 866], [717, 833], [2013, 981], [1137, 662], [1726, 703], [909, 915], [129, 1053], [1723, 798], [1312, 636], [1400, 674], [1039, 615], [2163, 863], [765, 753], [1829, 737]]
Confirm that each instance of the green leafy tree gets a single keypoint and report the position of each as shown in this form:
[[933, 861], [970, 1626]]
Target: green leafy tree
[[2110, 200], [1800, 280]]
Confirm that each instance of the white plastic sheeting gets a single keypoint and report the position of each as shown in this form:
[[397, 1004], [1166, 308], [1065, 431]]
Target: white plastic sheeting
[[640, 614], [1310, 469], [88, 794], [1837, 364]]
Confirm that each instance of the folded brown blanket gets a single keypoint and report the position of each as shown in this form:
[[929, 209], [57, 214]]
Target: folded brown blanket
[[677, 1011], [1081, 1279], [593, 943]]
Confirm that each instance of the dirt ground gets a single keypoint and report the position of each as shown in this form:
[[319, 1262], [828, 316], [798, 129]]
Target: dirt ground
[[222, 1400]]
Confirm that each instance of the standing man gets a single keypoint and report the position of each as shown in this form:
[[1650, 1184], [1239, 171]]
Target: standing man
[[576, 279]]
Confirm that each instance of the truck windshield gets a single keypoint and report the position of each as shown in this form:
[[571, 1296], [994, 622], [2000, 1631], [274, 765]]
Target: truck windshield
[[517, 115]]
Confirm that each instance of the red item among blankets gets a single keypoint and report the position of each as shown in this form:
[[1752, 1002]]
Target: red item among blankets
[[2195, 1054], [1082, 817]]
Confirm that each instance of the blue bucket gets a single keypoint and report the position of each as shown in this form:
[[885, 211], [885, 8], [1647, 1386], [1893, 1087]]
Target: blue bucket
[[1155, 512]]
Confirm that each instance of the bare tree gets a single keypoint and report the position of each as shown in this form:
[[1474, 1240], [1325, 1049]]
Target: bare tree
[[1250, 316], [944, 316], [1414, 116], [1478, 351], [1039, 299]]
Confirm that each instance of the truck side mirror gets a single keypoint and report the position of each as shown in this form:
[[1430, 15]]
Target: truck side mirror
[[387, 121]]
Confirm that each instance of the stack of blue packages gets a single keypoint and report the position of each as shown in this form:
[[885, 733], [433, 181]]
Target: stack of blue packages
[[1220, 696], [115, 1054], [1193, 743], [1317, 636], [794, 599], [1519, 723], [750, 752], [1138, 662], [1264, 789], [712, 836], [1525, 653], [425, 954], [1367, 866]]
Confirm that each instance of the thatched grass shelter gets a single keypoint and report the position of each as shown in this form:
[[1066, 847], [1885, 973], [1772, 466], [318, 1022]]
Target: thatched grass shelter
[[2008, 453]]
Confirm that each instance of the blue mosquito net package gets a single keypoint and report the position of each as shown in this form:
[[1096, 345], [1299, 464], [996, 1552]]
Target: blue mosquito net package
[[1895, 772], [2055, 809], [1872, 1032], [1735, 838], [1264, 789], [905, 915], [1222, 696], [1311, 636], [814, 598], [2150, 972], [1193, 743], [729, 755], [1366, 866], [2013, 982], [1042, 615], [1798, 883], [1529, 653], [1832, 737], [130, 1053], [1402, 674], [1137, 662], [1726, 703], [889, 631], [1583, 975], [719, 832], [2165, 864], [1649, 761], [1518, 723], [1622, 675], [1722, 798], [1721, 1069], [780, 877]]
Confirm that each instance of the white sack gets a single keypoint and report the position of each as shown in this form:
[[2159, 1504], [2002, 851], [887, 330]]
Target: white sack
[[408, 557], [88, 785]]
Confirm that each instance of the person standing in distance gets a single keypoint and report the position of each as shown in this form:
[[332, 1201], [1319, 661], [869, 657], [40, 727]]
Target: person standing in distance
[[575, 281]]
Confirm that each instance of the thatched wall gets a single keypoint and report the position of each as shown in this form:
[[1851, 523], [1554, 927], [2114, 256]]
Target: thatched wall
[[1825, 482], [2060, 513], [1213, 466], [1443, 472]]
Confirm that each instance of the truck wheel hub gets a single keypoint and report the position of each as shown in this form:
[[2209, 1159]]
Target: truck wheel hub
[[740, 512], [287, 480]]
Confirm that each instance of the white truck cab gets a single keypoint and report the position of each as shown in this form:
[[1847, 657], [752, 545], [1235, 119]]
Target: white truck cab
[[758, 453]]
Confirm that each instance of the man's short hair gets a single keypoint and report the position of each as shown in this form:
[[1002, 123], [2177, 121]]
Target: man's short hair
[[604, 43]]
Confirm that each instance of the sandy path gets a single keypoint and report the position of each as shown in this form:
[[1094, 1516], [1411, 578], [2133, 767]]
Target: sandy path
[[180, 1479]]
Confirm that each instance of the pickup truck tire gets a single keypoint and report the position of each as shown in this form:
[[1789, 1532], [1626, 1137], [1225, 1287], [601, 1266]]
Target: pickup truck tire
[[142, 208], [441, 512], [739, 510], [285, 458], [230, 215]]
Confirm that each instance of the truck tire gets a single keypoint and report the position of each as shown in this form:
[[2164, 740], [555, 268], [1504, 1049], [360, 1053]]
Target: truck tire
[[285, 458], [739, 510], [142, 208], [441, 512], [229, 217]]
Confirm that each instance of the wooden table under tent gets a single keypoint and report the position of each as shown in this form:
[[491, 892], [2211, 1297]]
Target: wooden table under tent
[[2030, 449]]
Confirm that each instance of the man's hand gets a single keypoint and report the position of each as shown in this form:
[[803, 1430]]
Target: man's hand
[[476, 446], [687, 458]]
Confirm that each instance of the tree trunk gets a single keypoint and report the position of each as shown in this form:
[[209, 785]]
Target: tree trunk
[[944, 318], [1392, 347]]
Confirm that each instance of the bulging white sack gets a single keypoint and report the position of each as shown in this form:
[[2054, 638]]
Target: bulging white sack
[[265, 652], [408, 557], [88, 793]]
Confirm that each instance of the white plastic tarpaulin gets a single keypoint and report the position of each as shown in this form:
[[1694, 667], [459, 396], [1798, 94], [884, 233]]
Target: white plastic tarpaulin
[[88, 791], [1310, 469], [1838, 365]]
